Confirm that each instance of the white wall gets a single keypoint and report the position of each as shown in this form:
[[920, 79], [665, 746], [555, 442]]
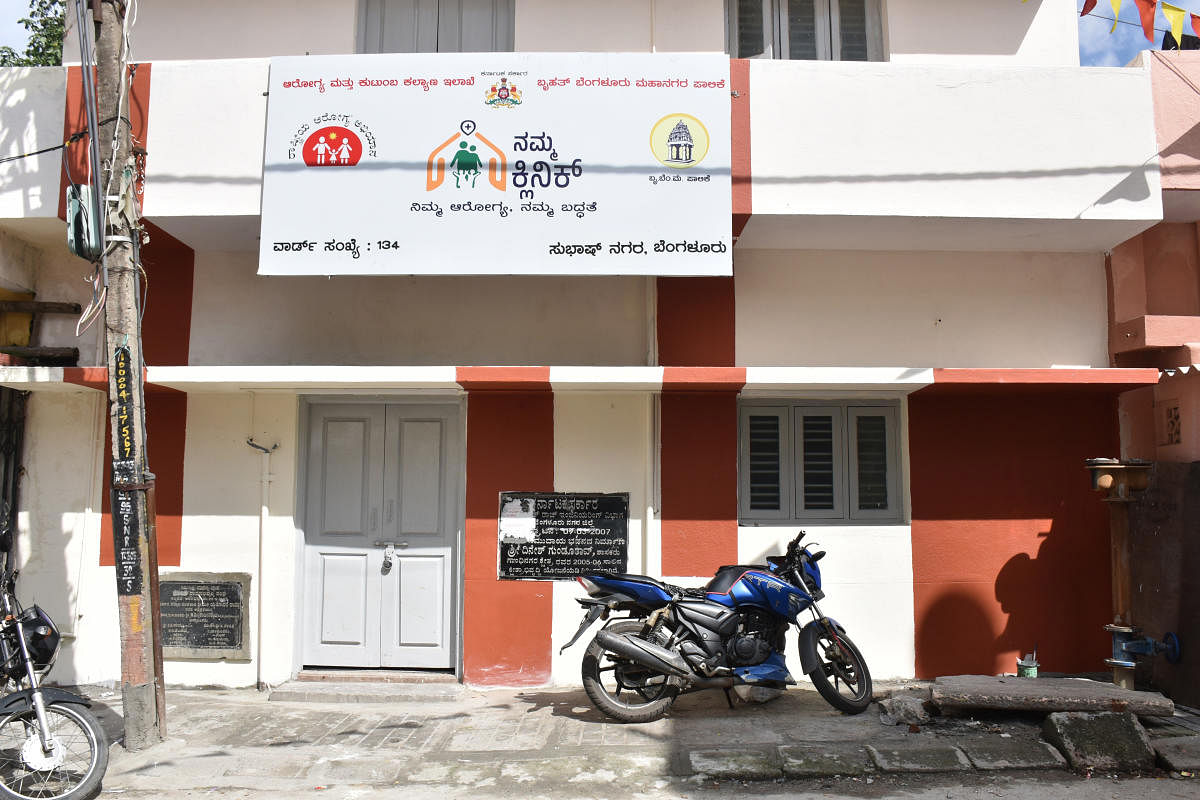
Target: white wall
[[601, 444], [855, 308], [909, 140], [620, 26], [221, 505], [59, 542], [1042, 32], [31, 117], [867, 579], [240, 318], [206, 161]]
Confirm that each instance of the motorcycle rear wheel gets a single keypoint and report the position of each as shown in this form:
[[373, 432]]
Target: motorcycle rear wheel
[[73, 768], [842, 676], [623, 690]]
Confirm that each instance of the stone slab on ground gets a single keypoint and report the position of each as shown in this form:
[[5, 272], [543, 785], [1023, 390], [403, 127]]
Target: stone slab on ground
[[965, 692], [997, 753], [746, 765], [1179, 753], [1105, 741], [824, 759], [319, 692], [918, 757]]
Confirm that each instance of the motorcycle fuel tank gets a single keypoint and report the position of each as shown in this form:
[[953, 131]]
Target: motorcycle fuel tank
[[764, 590]]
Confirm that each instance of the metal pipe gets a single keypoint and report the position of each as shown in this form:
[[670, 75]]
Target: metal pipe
[[264, 512]]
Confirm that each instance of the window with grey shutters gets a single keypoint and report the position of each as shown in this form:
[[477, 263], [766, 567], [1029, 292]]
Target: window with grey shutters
[[435, 26], [829, 30], [835, 462]]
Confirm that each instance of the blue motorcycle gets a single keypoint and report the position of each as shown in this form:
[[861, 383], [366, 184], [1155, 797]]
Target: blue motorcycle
[[728, 633]]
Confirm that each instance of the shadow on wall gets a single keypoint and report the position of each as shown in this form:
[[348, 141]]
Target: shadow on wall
[[1038, 603]]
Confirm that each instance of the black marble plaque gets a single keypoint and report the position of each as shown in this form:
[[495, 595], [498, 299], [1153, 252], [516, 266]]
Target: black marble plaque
[[558, 536], [205, 615]]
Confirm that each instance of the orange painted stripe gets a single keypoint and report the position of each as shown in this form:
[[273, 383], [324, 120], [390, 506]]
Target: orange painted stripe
[[739, 108], [704, 379], [696, 322], [513, 379], [699, 481], [1132, 377], [510, 447]]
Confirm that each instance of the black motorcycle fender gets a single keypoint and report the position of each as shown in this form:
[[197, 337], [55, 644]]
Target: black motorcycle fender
[[808, 635], [18, 701]]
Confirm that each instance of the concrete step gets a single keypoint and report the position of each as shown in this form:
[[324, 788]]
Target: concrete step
[[974, 692], [352, 691]]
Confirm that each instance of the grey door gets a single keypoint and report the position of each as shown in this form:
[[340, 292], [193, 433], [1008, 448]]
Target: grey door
[[381, 522]]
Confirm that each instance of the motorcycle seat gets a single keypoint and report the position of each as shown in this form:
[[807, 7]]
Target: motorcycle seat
[[646, 579], [728, 575]]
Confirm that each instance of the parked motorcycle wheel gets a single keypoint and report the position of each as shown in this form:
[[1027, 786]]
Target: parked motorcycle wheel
[[623, 690], [842, 677], [73, 768]]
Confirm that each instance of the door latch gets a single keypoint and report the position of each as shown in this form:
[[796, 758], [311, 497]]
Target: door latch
[[389, 552]]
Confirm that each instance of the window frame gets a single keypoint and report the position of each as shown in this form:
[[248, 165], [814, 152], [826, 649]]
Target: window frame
[[429, 27], [846, 481], [828, 30]]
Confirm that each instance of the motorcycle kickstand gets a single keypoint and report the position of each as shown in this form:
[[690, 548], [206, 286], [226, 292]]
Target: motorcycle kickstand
[[729, 698]]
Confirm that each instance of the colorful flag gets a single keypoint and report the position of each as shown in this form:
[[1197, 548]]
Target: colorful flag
[[1196, 24], [1175, 16], [1146, 10], [1088, 5], [1116, 4]]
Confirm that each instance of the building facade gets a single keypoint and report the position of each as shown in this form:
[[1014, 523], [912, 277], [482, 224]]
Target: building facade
[[910, 360]]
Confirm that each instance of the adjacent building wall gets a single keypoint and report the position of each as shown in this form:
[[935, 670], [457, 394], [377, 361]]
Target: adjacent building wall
[[31, 103]]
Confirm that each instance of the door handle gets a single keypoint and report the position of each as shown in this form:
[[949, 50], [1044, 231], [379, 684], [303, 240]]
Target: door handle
[[389, 551]]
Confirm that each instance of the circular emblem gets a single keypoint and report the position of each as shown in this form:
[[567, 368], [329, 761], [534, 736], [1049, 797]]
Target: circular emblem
[[679, 141], [332, 146]]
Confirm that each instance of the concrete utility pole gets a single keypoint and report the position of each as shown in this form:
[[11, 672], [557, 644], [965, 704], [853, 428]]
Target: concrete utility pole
[[132, 495]]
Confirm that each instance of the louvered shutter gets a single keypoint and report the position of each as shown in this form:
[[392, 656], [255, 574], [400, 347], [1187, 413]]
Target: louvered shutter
[[764, 474], [874, 483], [820, 471]]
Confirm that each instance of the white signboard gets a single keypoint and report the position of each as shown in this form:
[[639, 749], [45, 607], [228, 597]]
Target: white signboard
[[498, 163]]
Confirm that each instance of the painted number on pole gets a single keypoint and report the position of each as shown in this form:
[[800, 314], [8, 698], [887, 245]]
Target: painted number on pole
[[125, 470]]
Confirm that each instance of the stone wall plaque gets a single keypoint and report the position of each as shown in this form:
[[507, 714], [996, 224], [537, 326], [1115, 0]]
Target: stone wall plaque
[[205, 615], [559, 535]]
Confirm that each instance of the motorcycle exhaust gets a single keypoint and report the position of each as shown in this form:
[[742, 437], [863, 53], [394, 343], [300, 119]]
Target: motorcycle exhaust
[[645, 653]]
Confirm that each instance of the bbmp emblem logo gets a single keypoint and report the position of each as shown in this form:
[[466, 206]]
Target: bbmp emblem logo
[[466, 161], [679, 141]]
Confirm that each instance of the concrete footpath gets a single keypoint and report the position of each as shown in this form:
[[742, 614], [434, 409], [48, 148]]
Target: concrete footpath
[[422, 737]]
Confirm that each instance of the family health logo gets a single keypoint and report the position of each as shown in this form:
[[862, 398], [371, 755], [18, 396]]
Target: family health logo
[[332, 146], [332, 140]]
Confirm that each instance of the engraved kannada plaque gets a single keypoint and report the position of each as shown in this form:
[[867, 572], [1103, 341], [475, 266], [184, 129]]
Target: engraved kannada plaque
[[205, 615]]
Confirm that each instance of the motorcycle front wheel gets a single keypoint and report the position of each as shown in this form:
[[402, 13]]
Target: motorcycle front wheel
[[841, 676], [70, 770], [623, 690]]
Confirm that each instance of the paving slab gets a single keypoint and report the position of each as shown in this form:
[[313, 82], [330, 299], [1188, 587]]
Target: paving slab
[[1105, 741], [821, 760], [746, 765], [918, 757], [995, 753], [1179, 753], [964, 692]]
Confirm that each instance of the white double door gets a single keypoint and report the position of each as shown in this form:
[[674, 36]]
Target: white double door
[[381, 526]]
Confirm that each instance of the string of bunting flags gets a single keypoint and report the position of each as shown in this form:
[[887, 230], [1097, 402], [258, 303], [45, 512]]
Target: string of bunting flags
[[1147, 10]]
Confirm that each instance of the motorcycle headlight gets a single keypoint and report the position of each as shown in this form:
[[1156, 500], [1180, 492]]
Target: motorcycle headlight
[[41, 637]]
